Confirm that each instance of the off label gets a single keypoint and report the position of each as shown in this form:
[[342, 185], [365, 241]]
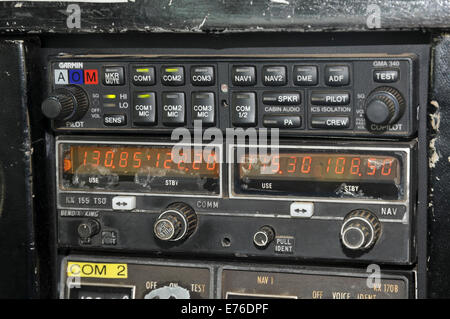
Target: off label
[[96, 270]]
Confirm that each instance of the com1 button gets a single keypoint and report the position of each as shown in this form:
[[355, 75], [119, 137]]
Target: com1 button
[[202, 75], [172, 75], [143, 75], [144, 108], [203, 107], [173, 108], [243, 108]]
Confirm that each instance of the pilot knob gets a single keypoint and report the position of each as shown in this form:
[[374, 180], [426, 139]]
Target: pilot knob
[[177, 222], [384, 105], [360, 230], [66, 103], [264, 236]]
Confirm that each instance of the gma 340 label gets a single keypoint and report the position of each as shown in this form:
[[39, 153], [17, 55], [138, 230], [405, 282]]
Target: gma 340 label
[[96, 270]]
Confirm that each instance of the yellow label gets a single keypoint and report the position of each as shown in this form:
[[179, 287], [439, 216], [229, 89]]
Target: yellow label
[[96, 270]]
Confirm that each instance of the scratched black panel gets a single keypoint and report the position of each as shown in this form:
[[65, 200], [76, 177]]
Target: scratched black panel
[[227, 15]]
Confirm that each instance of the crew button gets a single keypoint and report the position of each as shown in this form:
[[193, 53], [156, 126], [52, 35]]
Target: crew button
[[203, 107], [143, 75], [144, 108], [173, 108], [115, 119], [243, 75], [113, 75], [385, 75], [274, 75], [305, 75], [172, 75], [202, 75], [243, 108], [330, 122], [337, 75]]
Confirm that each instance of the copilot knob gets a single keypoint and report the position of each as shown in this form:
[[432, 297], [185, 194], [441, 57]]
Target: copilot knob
[[177, 222], [66, 103], [360, 230], [384, 105]]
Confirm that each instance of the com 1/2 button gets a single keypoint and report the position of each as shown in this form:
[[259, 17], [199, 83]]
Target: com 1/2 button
[[203, 107], [243, 108], [144, 108], [172, 75], [173, 108], [243, 75], [202, 75], [274, 75]]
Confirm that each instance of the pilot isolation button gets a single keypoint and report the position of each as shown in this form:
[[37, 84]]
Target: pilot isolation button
[[114, 119], [243, 75], [172, 75], [113, 75], [282, 121], [202, 75], [144, 108], [173, 108], [330, 122], [203, 107], [274, 75], [385, 75], [243, 108], [143, 75], [302, 209], [330, 98], [124, 202], [337, 75], [305, 75]]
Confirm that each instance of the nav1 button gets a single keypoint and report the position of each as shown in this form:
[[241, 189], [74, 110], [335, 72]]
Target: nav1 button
[[302, 209], [124, 203]]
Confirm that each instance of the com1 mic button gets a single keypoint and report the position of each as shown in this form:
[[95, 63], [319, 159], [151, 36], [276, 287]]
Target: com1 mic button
[[177, 222], [263, 237]]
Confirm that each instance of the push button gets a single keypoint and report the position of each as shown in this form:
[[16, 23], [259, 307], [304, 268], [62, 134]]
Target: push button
[[330, 122], [172, 75], [173, 108], [243, 107], [115, 119], [113, 75], [330, 98], [144, 108], [282, 121], [274, 75], [281, 98], [202, 75], [305, 75], [243, 75], [337, 75], [143, 75], [203, 107], [385, 76]]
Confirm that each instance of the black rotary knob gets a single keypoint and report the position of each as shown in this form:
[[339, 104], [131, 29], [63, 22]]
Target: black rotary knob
[[66, 103], [178, 221], [360, 230], [264, 236], [384, 105], [88, 228]]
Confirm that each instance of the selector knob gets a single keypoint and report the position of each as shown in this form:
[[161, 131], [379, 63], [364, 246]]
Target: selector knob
[[178, 221], [88, 228], [384, 105], [264, 236], [66, 103], [360, 230]]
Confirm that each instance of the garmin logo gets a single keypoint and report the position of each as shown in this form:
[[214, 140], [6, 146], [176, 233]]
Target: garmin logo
[[70, 65]]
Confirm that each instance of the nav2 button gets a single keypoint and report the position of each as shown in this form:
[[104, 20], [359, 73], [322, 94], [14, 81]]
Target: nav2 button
[[300, 209], [124, 203]]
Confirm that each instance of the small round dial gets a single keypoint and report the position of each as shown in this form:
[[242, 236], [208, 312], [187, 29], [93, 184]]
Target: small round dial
[[66, 103], [88, 229], [178, 221], [384, 105], [264, 236], [360, 230]]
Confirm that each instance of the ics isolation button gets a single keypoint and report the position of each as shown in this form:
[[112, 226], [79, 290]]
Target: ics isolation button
[[330, 122], [173, 108], [243, 108], [144, 108], [281, 98], [113, 75], [330, 98], [274, 75], [385, 75], [305, 75], [203, 107], [337, 75], [243, 75], [282, 121], [115, 119], [202, 75], [172, 75], [143, 75]]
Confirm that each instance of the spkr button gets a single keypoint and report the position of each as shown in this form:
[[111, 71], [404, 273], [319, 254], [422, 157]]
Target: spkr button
[[113, 75], [172, 75], [202, 75], [305, 75], [243, 108], [143, 75], [337, 75], [203, 107], [144, 108], [243, 75], [274, 75], [115, 119], [173, 108], [281, 98]]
